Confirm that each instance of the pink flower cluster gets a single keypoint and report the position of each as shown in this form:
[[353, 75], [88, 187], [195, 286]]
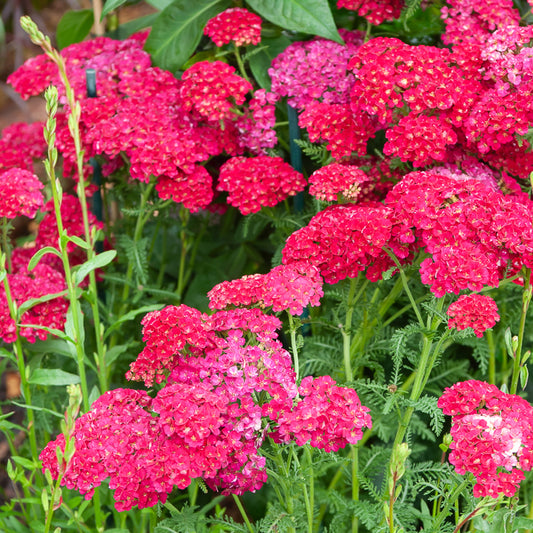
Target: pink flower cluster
[[316, 70], [237, 25], [20, 144], [473, 311], [286, 287], [205, 421], [328, 416], [20, 193], [259, 181], [492, 436]]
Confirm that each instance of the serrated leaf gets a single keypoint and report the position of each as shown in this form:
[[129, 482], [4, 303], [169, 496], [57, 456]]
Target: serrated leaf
[[111, 5], [261, 61], [34, 261], [308, 16], [178, 29], [98, 261], [73, 27], [53, 376]]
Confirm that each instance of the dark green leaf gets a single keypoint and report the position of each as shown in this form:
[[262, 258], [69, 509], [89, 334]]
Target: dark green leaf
[[111, 5], [260, 62], [129, 28], [308, 16], [178, 29], [28, 304], [53, 376], [74, 26], [98, 261]]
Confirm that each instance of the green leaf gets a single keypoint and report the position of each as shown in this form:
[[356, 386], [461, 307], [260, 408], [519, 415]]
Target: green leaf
[[70, 325], [53, 376], [74, 26], [178, 30], [129, 28], [34, 261], [111, 5], [78, 242], [308, 16], [32, 302], [57, 332], [159, 4], [98, 261], [131, 315], [260, 62]]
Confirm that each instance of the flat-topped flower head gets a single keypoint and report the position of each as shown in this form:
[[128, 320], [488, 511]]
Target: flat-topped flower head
[[335, 179], [255, 182], [211, 89], [374, 11], [286, 287], [236, 25], [20, 193], [474, 311], [492, 436], [20, 144]]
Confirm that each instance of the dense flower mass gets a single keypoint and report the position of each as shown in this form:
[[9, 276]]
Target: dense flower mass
[[327, 416], [237, 25], [492, 436], [20, 193], [212, 88], [334, 179], [291, 287], [20, 144], [316, 70], [258, 182], [374, 12], [25, 285], [473, 311]]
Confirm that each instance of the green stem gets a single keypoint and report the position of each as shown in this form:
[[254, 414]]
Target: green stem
[[243, 513], [5, 243], [449, 502], [294, 347], [492, 356], [526, 299], [240, 63], [355, 484], [184, 239]]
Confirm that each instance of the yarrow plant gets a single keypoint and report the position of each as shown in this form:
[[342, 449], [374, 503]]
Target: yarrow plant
[[281, 256]]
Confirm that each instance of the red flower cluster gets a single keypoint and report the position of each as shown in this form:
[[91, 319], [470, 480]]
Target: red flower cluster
[[374, 11], [492, 436], [473, 311], [20, 144], [343, 240], [334, 179], [258, 182], [237, 25], [20, 193], [286, 287], [327, 415]]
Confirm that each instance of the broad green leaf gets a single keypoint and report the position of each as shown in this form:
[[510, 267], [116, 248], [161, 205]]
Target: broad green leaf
[[129, 28], [34, 261], [98, 261], [70, 323], [159, 4], [178, 29], [53, 376], [111, 5], [32, 302], [260, 62], [74, 26], [307, 16]]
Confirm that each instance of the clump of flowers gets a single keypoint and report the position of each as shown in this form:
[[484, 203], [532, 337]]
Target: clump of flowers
[[258, 182], [212, 88], [20, 193], [237, 25], [375, 12], [492, 436], [334, 179], [326, 415], [20, 144], [473, 311], [286, 287], [315, 71]]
